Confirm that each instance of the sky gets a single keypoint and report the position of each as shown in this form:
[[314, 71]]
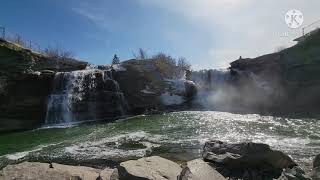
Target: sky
[[209, 33]]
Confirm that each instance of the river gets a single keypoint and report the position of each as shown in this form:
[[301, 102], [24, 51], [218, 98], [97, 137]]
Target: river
[[178, 136]]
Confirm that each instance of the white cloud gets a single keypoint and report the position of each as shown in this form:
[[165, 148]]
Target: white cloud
[[97, 16], [246, 27]]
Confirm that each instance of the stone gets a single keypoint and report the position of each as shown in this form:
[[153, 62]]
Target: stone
[[315, 173], [316, 161], [295, 173], [316, 168], [34, 170], [246, 159], [149, 168], [199, 170]]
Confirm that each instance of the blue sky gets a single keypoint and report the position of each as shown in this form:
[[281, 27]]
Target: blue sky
[[209, 33]]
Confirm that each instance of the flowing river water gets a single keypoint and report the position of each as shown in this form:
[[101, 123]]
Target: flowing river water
[[178, 136]]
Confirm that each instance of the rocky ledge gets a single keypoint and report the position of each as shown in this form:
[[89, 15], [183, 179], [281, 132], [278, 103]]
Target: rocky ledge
[[220, 161]]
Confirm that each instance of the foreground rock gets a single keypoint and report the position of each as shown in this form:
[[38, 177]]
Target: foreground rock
[[30, 170], [316, 168], [150, 168], [246, 160], [199, 170], [295, 173]]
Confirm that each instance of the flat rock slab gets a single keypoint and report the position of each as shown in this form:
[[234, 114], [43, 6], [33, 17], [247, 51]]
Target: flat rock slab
[[199, 170], [33, 170], [149, 168]]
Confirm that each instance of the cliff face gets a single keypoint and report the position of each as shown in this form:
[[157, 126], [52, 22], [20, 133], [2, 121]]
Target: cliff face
[[286, 81], [25, 82], [146, 89], [35, 89]]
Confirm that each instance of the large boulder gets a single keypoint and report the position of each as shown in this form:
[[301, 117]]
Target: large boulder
[[199, 170], [149, 168], [33, 170], [316, 168], [246, 160]]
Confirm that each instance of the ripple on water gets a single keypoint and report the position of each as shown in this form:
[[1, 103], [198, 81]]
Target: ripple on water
[[177, 133], [134, 144]]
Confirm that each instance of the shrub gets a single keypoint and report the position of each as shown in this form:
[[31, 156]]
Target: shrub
[[57, 53]]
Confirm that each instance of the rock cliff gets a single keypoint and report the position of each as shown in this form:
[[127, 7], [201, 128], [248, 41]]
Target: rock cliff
[[283, 82], [36, 89], [25, 82]]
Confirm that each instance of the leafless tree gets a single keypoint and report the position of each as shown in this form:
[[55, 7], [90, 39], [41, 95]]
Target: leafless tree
[[141, 54], [17, 39], [57, 53]]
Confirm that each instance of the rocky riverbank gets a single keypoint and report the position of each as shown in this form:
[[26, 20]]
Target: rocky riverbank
[[220, 161]]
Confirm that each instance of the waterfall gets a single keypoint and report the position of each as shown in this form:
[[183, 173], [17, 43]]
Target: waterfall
[[84, 95], [211, 79], [211, 86]]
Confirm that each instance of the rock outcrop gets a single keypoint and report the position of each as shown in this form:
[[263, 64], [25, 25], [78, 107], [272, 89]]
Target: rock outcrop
[[246, 160], [150, 168], [146, 89], [199, 170], [33, 170], [295, 173], [281, 82], [25, 82], [316, 168]]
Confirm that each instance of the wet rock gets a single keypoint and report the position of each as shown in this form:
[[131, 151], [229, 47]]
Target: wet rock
[[316, 168], [316, 161], [295, 173], [199, 170], [316, 173], [33, 170], [246, 160], [150, 168]]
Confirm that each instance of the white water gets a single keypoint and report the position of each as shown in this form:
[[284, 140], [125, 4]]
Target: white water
[[76, 87], [178, 136]]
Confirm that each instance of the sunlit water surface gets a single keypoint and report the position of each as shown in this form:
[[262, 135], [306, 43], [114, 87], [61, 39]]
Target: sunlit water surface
[[179, 136]]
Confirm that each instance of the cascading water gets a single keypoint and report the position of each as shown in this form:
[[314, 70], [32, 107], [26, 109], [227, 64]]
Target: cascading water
[[210, 85], [211, 79], [90, 94]]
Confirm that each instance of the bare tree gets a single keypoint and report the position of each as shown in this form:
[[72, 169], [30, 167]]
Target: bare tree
[[141, 54], [165, 64], [57, 53], [182, 67], [183, 64], [165, 58], [17, 39]]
